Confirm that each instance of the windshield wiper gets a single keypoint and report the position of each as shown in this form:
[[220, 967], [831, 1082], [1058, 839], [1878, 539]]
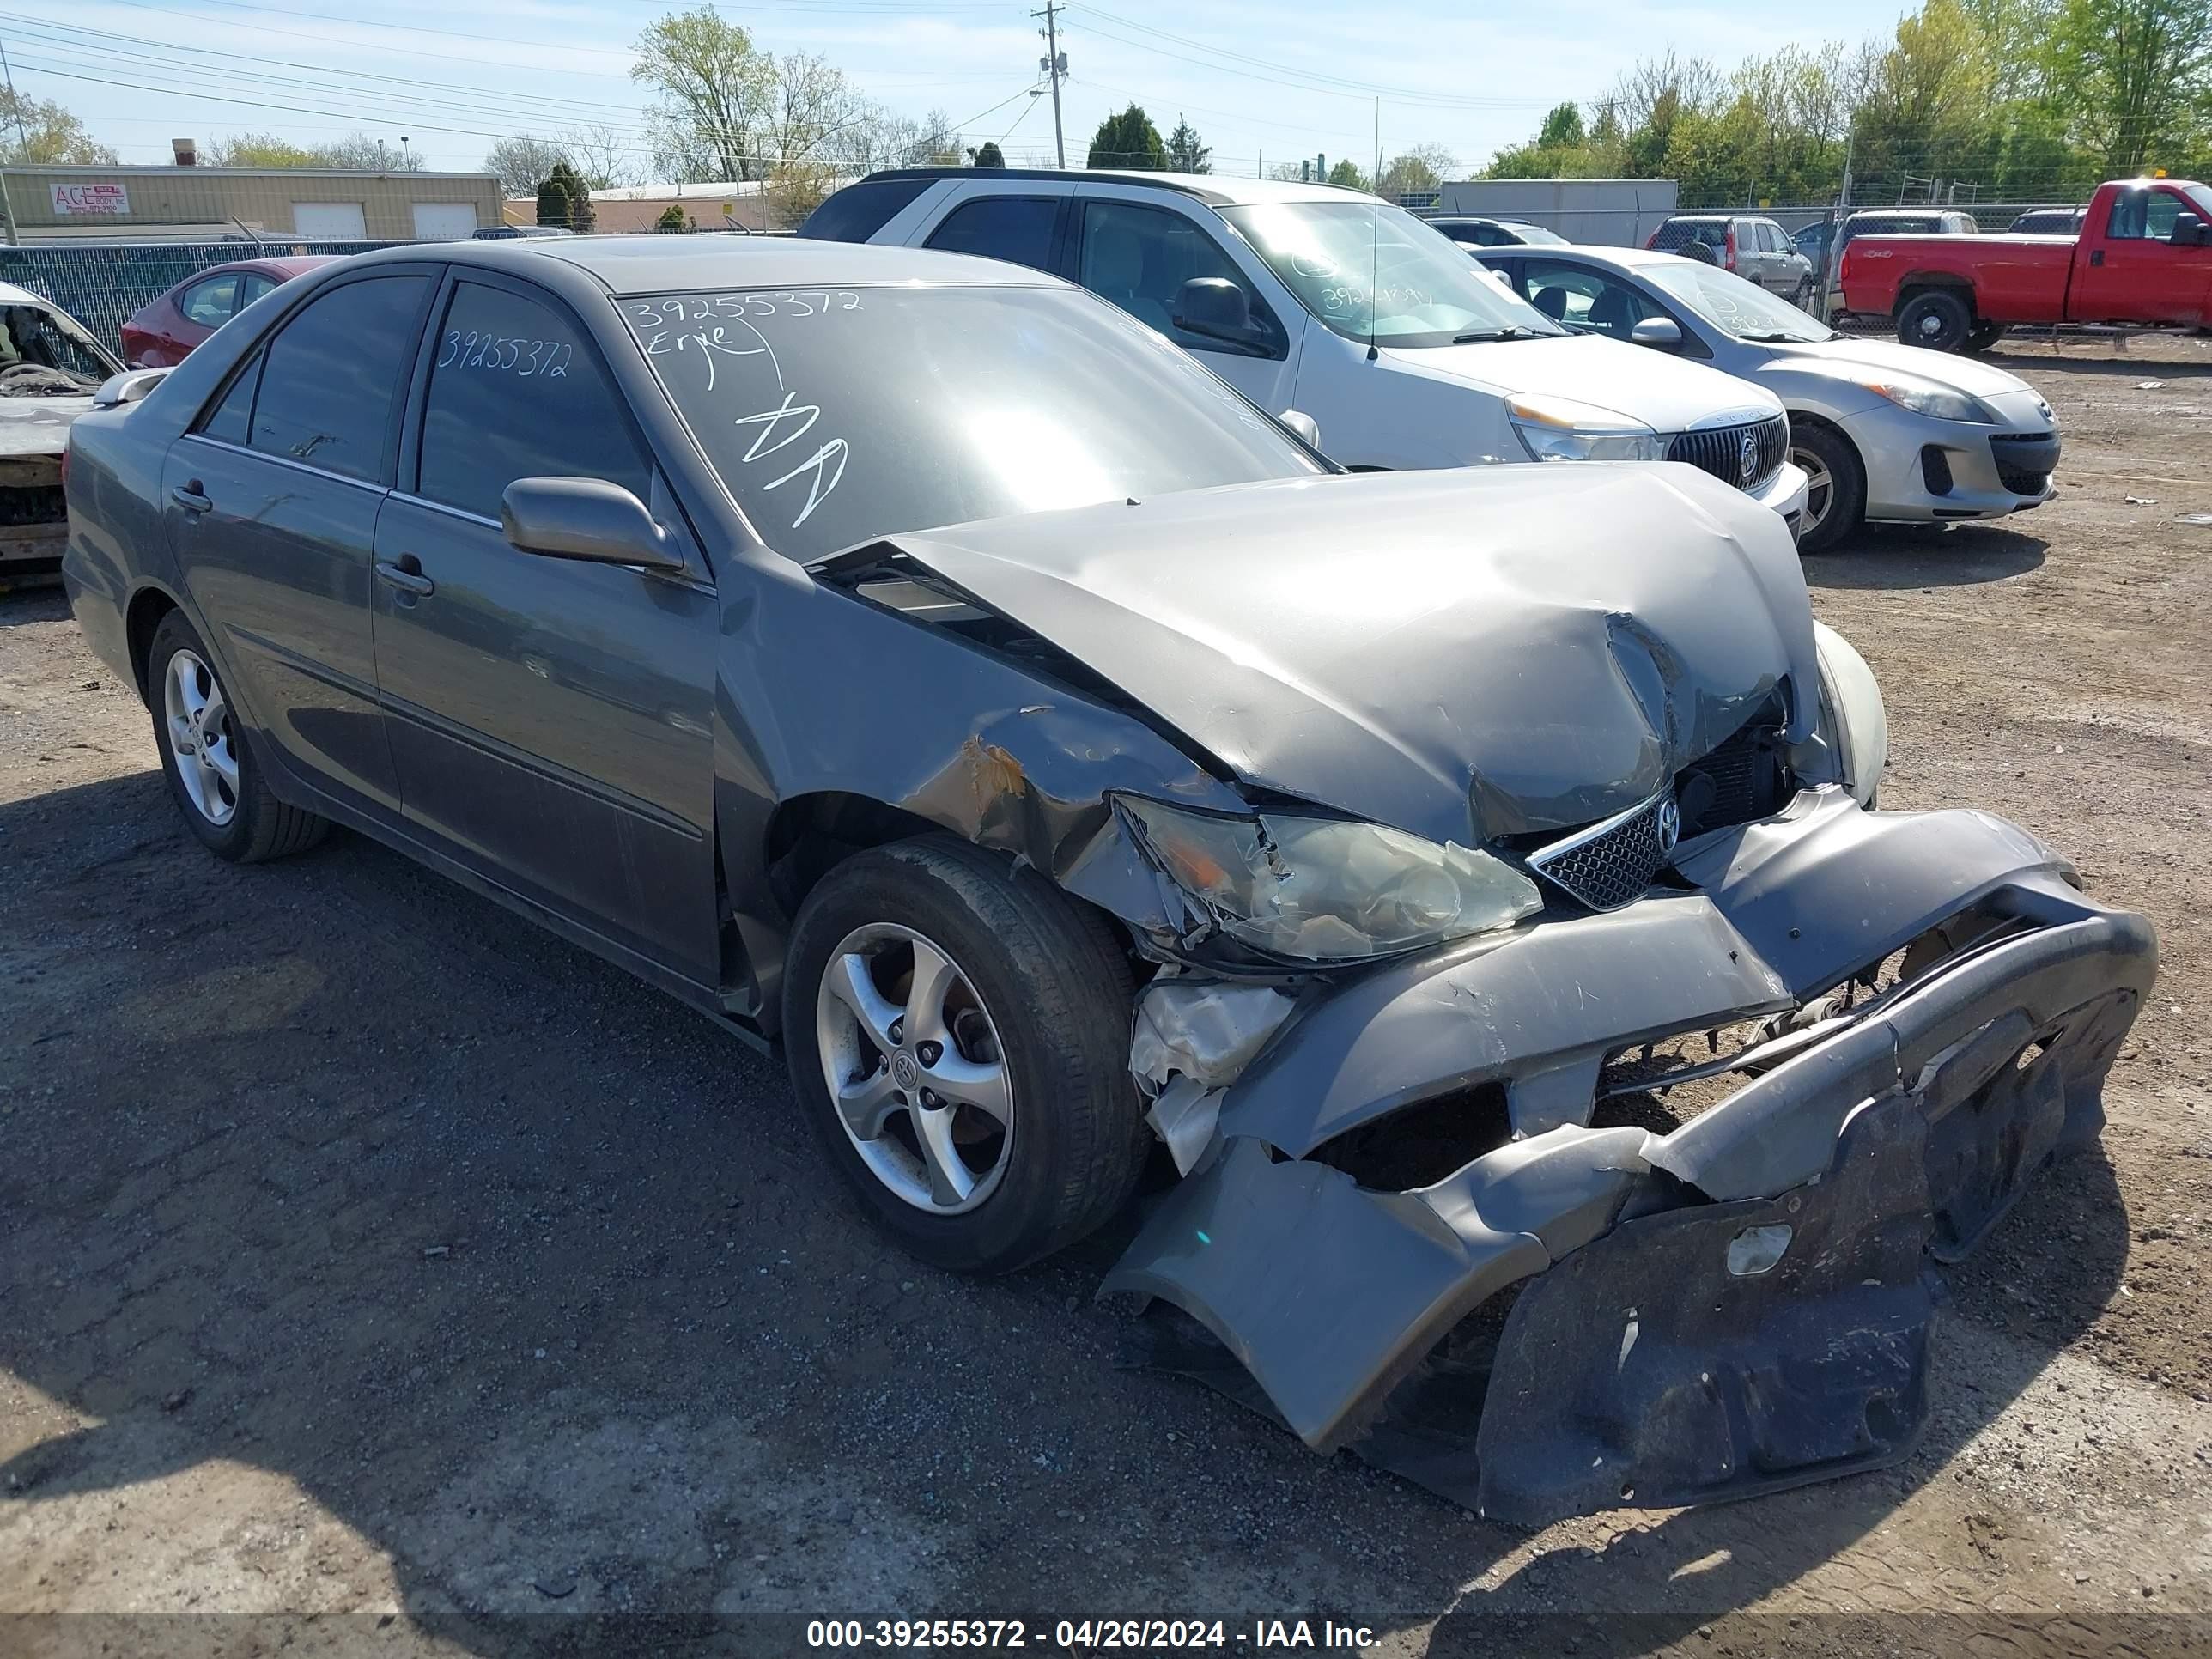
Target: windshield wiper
[[1509, 332], [1774, 339]]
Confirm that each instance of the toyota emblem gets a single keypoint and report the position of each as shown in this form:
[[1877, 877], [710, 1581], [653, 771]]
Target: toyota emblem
[[1747, 457], [1670, 825]]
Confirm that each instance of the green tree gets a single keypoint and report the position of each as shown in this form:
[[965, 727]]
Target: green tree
[[671, 218], [1129, 140], [1562, 128], [1185, 152], [257, 149], [582, 218], [987, 154], [1422, 167], [1348, 174], [553, 204], [35, 132], [2136, 76], [715, 91]]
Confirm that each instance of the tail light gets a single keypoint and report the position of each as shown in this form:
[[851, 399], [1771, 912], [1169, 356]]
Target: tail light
[[67, 446], [1652, 241], [1729, 263]]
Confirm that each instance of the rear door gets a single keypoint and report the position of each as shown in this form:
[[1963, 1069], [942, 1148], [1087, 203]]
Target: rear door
[[271, 503], [552, 721]]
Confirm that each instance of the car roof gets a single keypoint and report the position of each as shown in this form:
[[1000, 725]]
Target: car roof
[[1628, 257], [1216, 190], [292, 265], [12, 295], [657, 263]]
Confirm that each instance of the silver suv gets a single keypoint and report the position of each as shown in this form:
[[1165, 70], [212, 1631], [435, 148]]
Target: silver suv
[[1756, 249]]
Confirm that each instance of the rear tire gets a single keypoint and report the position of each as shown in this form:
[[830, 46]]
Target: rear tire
[[1983, 336], [208, 760], [1835, 485], [1936, 318], [1039, 994]]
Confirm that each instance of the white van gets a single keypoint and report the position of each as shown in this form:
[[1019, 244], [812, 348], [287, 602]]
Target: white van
[[1327, 302]]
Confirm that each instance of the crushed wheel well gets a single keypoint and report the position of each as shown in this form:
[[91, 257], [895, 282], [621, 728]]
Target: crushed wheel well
[[809, 834]]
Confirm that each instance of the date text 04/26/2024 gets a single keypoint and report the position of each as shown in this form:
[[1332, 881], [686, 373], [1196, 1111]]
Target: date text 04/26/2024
[[1085, 1635]]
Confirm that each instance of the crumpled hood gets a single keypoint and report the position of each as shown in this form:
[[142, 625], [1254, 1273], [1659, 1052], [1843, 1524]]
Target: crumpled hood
[[1460, 654], [39, 425], [1848, 356], [1663, 391]]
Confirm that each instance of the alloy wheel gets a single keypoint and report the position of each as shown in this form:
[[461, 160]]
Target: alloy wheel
[[201, 740], [1820, 489], [915, 1068]]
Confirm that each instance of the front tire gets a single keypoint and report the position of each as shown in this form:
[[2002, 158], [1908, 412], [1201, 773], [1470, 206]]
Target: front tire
[[1835, 485], [958, 1032], [1983, 336], [208, 760], [1936, 318]]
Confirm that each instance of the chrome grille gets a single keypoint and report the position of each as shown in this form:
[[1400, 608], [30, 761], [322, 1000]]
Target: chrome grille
[[1610, 864], [1745, 456]]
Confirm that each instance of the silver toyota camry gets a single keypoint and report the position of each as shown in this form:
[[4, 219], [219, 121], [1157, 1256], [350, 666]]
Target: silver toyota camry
[[1884, 432]]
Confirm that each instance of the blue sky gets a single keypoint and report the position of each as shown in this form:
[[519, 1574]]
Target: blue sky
[[1258, 81]]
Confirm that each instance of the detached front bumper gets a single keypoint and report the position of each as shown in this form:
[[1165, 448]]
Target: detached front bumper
[[1583, 1317]]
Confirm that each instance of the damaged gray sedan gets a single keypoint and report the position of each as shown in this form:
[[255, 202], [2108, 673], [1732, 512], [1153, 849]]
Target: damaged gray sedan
[[910, 659]]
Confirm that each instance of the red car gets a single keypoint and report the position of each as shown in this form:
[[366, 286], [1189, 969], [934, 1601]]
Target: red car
[[2143, 256], [162, 332]]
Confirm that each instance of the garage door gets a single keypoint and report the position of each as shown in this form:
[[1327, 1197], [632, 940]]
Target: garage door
[[328, 221], [444, 220]]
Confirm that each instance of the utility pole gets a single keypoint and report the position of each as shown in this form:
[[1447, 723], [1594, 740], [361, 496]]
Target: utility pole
[[1055, 64], [8, 208]]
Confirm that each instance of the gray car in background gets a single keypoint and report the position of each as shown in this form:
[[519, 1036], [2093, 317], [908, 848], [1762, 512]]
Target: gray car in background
[[1884, 432], [913, 661]]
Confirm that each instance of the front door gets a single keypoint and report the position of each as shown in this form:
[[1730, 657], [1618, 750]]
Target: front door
[[271, 503], [2138, 275], [1136, 251], [552, 720]]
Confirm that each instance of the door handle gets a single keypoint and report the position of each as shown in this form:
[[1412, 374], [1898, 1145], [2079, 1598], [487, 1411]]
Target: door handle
[[190, 497], [2096, 255], [406, 580]]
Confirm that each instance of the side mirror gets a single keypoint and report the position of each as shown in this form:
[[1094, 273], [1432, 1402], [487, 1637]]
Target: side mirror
[[1301, 426], [127, 388], [2188, 231], [1662, 333], [584, 519], [1216, 308]]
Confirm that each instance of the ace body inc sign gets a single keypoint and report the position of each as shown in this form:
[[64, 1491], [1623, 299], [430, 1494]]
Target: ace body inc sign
[[108, 200]]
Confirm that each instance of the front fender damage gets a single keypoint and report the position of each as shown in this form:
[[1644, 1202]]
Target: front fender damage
[[1583, 1317]]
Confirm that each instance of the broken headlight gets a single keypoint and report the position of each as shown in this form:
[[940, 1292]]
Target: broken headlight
[[1329, 889], [1560, 429]]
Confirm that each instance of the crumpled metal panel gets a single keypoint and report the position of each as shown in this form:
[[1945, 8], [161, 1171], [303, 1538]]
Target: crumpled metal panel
[[1764, 1260], [1462, 654]]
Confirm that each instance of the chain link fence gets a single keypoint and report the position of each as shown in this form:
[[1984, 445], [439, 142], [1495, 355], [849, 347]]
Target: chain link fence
[[102, 284]]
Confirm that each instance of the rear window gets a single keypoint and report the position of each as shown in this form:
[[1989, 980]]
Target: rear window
[[859, 211], [1713, 233]]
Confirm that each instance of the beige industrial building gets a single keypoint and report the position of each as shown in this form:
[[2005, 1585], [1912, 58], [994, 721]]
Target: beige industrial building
[[196, 203]]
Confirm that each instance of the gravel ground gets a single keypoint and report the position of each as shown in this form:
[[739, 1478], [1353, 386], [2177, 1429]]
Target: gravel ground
[[375, 1264]]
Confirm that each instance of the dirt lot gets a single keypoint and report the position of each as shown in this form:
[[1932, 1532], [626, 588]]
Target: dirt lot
[[377, 1264]]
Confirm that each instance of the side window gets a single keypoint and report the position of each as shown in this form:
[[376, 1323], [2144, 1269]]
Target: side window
[[1585, 300], [2160, 212], [209, 303], [516, 392], [330, 378], [252, 288], [233, 418], [859, 211], [1139, 257], [2129, 218], [1013, 228]]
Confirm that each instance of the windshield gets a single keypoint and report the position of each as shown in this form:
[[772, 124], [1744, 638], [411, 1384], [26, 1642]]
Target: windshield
[[1536, 235], [836, 416], [1378, 272], [34, 338], [1743, 310]]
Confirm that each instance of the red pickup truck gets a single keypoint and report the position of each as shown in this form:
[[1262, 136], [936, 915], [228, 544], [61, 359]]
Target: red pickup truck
[[2144, 256]]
